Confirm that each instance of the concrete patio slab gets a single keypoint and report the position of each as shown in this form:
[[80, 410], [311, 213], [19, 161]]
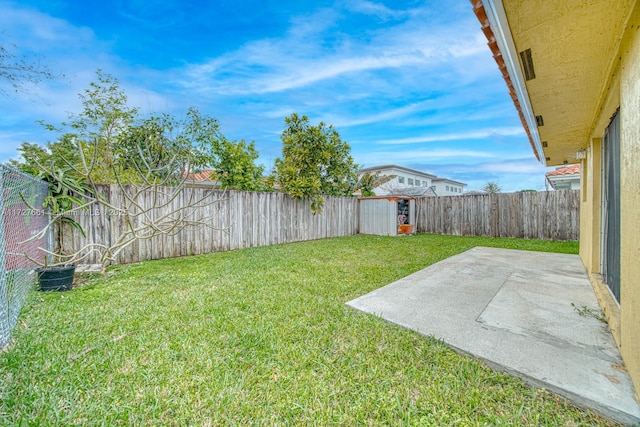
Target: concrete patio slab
[[532, 314]]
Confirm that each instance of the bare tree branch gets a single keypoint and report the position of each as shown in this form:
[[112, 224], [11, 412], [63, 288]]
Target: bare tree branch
[[394, 189], [17, 70]]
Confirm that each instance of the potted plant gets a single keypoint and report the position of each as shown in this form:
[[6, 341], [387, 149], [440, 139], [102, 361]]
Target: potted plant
[[57, 271]]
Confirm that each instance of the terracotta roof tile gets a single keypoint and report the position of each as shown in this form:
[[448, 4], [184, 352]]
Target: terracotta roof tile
[[205, 175], [567, 170]]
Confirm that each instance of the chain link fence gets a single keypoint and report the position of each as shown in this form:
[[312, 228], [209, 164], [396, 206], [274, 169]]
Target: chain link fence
[[21, 219]]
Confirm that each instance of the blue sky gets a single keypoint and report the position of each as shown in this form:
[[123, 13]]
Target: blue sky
[[405, 82]]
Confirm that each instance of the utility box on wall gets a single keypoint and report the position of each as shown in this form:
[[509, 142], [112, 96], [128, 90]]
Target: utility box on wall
[[387, 215]]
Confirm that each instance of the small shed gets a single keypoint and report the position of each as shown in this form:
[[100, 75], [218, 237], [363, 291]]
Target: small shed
[[387, 215]]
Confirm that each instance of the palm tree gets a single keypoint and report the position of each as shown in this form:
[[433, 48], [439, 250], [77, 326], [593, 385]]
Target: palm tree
[[491, 188], [368, 181]]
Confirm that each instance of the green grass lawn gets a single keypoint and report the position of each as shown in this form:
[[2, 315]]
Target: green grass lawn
[[259, 336]]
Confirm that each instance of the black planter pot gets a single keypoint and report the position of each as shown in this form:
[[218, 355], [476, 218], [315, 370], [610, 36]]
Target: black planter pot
[[59, 278]]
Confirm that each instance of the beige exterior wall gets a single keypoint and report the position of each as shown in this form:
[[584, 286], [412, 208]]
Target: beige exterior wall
[[590, 226], [623, 90], [630, 198], [587, 65]]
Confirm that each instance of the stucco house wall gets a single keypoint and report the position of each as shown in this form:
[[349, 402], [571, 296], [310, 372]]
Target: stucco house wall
[[630, 197], [623, 91], [587, 66], [447, 187]]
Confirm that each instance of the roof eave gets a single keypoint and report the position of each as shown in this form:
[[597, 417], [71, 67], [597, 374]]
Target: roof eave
[[495, 27]]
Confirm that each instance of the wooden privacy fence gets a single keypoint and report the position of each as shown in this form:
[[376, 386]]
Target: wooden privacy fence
[[235, 220], [546, 215], [227, 221]]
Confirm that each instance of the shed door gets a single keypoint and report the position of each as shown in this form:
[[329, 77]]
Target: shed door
[[610, 250], [404, 211]]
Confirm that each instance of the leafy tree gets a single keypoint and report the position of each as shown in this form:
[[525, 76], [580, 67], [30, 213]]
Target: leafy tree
[[148, 160], [369, 181], [149, 147], [34, 155], [107, 143], [491, 187], [199, 139], [88, 145], [235, 166], [315, 162], [151, 150], [146, 149]]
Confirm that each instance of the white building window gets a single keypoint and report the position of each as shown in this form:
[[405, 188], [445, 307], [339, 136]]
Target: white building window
[[410, 181], [401, 179]]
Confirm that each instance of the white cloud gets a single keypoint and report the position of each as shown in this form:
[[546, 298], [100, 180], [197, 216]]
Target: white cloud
[[257, 74], [340, 121], [419, 156], [305, 28], [279, 113], [512, 166], [457, 136], [73, 54], [153, 15], [405, 78], [302, 57], [373, 8]]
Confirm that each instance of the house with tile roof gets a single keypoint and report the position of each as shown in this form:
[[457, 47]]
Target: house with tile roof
[[202, 179], [564, 178], [572, 69], [413, 182]]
